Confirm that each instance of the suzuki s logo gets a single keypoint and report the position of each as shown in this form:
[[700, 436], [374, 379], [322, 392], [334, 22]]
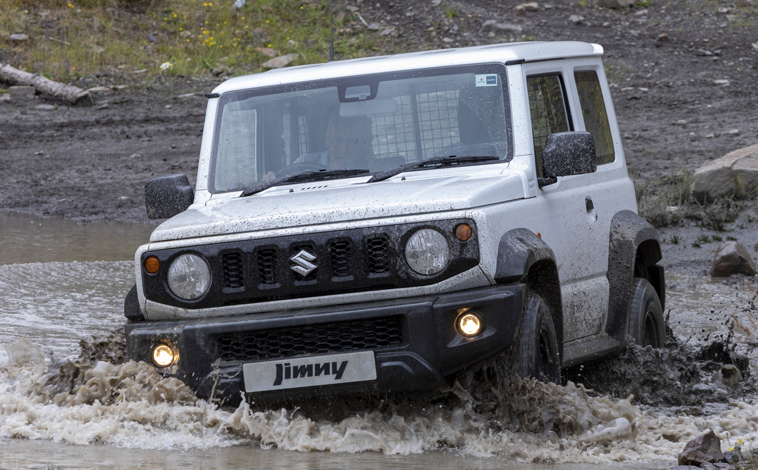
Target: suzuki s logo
[[302, 263]]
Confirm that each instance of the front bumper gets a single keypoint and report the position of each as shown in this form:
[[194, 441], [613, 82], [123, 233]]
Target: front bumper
[[415, 342]]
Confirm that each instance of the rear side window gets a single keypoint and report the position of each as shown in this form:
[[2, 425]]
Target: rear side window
[[547, 106], [595, 116]]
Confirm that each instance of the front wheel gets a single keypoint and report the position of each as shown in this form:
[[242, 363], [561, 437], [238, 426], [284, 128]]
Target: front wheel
[[646, 315], [540, 356]]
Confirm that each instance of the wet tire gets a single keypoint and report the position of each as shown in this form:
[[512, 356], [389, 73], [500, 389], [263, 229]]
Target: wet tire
[[132, 311], [540, 356], [646, 324]]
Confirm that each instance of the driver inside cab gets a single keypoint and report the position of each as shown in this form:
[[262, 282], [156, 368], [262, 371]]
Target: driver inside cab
[[348, 145]]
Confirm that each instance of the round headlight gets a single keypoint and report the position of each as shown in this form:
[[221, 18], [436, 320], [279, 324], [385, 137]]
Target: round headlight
[[189, 277], [427, 252]]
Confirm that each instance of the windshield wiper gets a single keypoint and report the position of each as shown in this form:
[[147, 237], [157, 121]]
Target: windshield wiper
[[437, 162], [311, 175]]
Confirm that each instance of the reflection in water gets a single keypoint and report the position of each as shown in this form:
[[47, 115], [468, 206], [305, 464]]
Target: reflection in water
[[29, 239]]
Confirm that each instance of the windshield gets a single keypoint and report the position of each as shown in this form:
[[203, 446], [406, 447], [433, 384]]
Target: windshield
[[375, 122]]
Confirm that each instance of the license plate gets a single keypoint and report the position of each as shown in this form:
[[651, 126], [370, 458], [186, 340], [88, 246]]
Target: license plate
[[333, 369]]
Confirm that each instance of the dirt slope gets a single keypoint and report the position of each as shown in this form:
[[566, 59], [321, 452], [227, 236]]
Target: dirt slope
[[88, 163]]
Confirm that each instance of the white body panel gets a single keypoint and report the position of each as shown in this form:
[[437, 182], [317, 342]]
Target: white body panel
[[499, 197]]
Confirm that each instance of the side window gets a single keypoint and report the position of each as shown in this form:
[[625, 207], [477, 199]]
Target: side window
[[595, 117], [547, 106]]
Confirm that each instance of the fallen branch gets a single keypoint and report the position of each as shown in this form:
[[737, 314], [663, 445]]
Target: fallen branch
[[69, 93]]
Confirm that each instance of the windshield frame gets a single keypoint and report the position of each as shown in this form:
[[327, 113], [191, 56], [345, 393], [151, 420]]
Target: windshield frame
[[498, 68]]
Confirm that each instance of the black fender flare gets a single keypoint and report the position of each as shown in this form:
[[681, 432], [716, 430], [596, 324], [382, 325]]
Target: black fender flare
[[634, 252], [524, 257]]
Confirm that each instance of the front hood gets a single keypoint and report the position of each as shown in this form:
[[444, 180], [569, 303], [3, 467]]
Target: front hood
[[342, 200]]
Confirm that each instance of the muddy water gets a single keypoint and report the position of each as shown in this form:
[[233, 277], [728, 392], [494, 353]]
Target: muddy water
[[59, 409]]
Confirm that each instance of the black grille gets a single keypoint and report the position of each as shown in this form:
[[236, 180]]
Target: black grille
[[233, 272], [342, 263], [378, 255], [355, 335], [268, 267]]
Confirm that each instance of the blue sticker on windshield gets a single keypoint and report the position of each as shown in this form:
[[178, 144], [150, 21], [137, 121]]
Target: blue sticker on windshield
[[486, 80]]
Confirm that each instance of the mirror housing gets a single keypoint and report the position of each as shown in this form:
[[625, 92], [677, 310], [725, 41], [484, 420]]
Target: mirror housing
[[167, 196], [566, 154]]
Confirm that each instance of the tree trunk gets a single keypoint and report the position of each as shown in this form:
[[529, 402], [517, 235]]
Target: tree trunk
[[69, 93]]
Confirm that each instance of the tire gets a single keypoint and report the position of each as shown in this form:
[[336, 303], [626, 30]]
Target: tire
[[540, 356], [132, 311], [646, 324]]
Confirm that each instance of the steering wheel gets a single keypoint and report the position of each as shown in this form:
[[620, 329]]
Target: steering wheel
[[300, 167]]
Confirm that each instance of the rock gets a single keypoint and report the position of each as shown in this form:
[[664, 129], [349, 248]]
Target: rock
[[642, 12], [732, 258], [22, 92], [374, 27], [755, 46], [267, 51], [733, 456], [706, 448], [152, 38], [663, 37], [730, 375], [387, 31], [185, 34], [19, 38], [45, 107], [734, 173], [734, 132], [519, 10], [721, 82], [447, 40], [292, 43], [615, 3], [239, 4], [5, 97], [279, 62], [495, 27], [576, 19], [703, 53], [186, 95], [531, 6], [216, 71]]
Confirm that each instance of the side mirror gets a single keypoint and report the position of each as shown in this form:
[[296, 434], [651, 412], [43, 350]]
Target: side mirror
[[167, 196], [566, 154]]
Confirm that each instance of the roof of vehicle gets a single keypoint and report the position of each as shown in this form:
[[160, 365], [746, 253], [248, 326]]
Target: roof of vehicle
[[526, 51]]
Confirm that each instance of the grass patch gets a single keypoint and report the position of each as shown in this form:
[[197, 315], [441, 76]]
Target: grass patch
[[71, 38]]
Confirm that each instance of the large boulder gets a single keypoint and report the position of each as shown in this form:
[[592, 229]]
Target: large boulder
[[732, 258], [736, 173], [706, 448]]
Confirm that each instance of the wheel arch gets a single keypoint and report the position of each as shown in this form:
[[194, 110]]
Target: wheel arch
[[635, 250], [524, 257]]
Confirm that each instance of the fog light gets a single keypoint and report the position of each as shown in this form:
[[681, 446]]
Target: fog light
[[470, 324], [163, 355]]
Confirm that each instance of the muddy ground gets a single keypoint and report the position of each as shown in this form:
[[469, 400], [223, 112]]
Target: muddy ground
[[90, 162]]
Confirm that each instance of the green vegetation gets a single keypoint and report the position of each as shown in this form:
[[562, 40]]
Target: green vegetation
[[69, 38], [451, 12], [675, 239], [667, 200]]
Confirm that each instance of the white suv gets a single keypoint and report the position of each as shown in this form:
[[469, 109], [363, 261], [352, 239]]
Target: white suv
[[380, 225]]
